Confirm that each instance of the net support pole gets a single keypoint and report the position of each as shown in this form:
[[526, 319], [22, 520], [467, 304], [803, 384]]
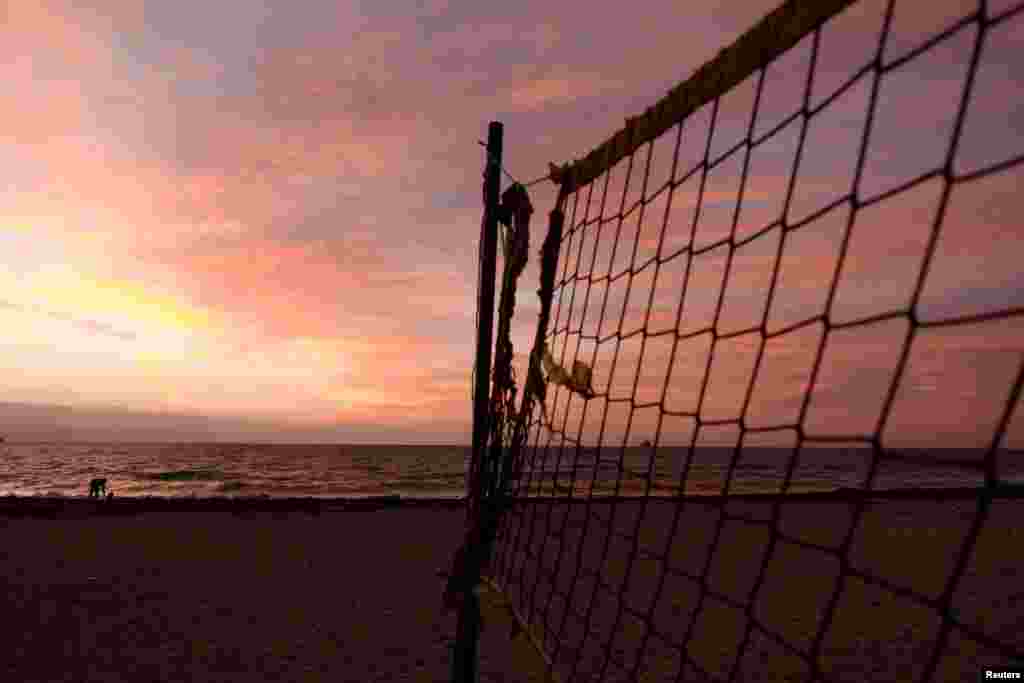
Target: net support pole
[[484, 342], [465, 656], [488, 276]]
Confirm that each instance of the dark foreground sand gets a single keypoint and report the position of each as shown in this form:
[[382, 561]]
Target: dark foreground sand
[[183, 590], [877, 632]]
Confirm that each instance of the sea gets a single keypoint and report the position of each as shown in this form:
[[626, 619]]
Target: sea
[[439, 472]]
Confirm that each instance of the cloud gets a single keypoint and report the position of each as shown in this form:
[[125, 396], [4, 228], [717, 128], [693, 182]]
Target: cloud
[[84, 324], [554, 90]]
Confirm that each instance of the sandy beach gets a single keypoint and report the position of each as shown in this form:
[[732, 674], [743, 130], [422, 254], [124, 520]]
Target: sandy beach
[[180, 590], [878, 632]]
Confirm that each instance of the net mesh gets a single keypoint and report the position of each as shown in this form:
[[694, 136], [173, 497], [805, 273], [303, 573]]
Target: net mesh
[[796, 307]]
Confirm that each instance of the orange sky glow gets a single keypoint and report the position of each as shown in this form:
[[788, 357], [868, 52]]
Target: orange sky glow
[[271, 216]]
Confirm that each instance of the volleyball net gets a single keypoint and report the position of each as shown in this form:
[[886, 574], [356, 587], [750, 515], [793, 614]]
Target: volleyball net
[[770, 423]]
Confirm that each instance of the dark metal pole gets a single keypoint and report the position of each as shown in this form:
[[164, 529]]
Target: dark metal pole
[[465, 659], [488, 275]]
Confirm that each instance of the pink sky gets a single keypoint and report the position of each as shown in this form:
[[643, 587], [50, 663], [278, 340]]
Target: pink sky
[[269, 211]]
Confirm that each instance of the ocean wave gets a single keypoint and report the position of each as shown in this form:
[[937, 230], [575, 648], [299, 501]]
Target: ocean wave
[[198, 474], [441, 480]]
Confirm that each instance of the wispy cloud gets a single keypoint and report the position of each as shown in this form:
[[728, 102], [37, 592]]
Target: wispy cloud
[[91, 326]]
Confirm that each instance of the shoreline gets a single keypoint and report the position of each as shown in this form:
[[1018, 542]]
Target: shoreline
[[55, 507], [58, 507]]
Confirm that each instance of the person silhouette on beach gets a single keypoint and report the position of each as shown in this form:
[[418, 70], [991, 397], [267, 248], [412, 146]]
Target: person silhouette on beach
[[97, 487]]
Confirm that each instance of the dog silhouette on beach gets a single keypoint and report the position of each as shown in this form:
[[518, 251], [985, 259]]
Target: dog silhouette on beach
[[97, 487]]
